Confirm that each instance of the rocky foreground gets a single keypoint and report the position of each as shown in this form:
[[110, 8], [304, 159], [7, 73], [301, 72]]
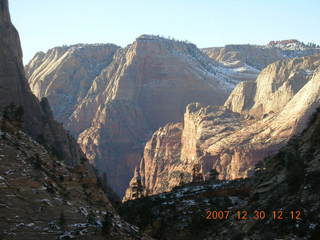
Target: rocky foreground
[[42, 198]]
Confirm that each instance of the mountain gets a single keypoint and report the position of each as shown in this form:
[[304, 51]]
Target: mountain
[[112, 99], [280, 201], [270, 111], [48, 190]]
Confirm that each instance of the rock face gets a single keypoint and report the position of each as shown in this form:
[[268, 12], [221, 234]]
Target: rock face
[[14, 89], [232, 143], [127, 94], [67, 73], [279, 82], [241, 98]]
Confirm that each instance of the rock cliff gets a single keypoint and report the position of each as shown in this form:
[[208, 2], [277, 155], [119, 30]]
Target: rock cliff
[[232, 143], [128, 94]]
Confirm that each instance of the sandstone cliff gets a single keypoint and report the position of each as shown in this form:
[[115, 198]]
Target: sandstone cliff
[[232, 143], [128, 94]]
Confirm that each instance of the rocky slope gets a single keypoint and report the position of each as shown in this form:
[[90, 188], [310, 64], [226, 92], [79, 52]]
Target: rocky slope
[[232, 143], [114, 103], [42, 198], [285, 187]]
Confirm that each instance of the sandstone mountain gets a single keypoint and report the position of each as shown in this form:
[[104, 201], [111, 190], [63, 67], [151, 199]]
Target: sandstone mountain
[[286, 94], [112, 99]]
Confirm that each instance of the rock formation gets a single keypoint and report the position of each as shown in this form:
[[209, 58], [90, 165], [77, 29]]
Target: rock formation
[[126, 98], [232, 143]]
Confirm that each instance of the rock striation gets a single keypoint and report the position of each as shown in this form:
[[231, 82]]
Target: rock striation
[[233, 143], [128, 93]]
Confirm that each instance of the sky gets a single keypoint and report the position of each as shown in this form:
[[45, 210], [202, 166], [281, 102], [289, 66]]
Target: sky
[[44, 24]]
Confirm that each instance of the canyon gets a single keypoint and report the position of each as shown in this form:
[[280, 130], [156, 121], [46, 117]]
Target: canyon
[[175, 130], [112, 99]]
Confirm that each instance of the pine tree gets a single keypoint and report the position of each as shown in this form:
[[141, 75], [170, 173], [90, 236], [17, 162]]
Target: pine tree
[[197, 173], [213, 175]]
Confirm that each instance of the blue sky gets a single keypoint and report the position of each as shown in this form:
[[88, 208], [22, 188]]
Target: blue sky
[[44, 24]]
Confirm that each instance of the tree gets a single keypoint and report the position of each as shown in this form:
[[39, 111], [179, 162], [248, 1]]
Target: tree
[[62, 221], [107, 223], [213, 175], [197, 173]]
